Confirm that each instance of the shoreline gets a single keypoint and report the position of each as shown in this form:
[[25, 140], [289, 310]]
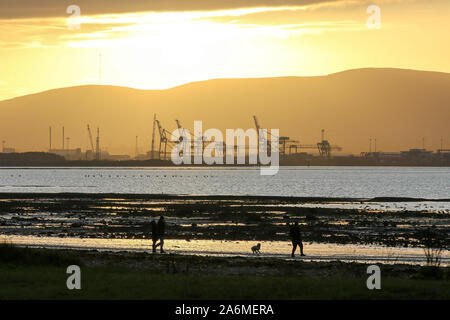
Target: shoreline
[[310, 161], [315, 252], [392, 222], [219, 223], [154, 196], [228, 265]]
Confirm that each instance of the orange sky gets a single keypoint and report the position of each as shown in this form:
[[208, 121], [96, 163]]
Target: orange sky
[[150, 44]]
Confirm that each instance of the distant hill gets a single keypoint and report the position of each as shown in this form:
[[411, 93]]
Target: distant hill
[[397, 107]]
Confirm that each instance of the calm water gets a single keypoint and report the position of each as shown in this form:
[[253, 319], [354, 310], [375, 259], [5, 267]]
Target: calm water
[[418, 182]]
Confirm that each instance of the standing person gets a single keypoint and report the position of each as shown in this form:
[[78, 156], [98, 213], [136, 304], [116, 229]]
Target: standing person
[[161, 231], [296, 238], [154, 235]]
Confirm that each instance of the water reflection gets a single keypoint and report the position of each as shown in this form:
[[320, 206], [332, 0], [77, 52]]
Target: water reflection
[[274, 249]]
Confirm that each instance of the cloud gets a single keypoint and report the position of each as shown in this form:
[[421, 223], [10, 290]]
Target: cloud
[[272, 17], [53, 31], [16, 9]]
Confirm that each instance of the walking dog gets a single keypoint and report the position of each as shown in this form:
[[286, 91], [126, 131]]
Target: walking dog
[[255, 249]]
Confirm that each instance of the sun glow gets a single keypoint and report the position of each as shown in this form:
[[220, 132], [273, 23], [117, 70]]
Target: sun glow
[[164, 49]]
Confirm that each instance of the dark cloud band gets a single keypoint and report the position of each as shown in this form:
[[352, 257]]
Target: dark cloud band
[[15, 9]]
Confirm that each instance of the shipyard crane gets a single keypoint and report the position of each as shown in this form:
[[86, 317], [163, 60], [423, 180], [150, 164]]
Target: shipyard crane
[[282, 140], [325, 148], [182, 133], [194, 138], [97, 142], [90, 140], [292, 145], [162, 139], [181, 129], [256, 124], [258, 127], [179, 124], [287, 142]]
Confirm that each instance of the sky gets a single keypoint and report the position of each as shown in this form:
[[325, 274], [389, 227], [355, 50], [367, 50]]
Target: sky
[[157, 44]]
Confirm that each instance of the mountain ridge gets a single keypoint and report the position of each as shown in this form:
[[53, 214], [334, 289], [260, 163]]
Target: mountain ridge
[[220, 79], [395, 106]]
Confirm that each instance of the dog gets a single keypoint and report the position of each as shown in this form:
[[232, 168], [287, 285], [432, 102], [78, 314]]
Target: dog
[[255, 249]]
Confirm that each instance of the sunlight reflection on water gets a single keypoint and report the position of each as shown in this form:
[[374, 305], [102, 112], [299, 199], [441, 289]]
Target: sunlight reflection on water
[[274, 249]]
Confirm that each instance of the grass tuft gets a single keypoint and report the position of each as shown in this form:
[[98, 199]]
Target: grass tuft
[[11, 254]]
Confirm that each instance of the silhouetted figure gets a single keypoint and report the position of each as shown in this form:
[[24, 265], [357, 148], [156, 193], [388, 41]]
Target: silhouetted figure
[[296, 237], [154, 235], [161, 231]]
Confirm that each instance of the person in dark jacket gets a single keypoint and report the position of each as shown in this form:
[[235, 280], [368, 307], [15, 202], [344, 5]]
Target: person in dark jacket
[[296, 237], [161, 232], [154, 235]]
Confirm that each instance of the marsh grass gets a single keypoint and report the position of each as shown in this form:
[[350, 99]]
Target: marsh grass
[[118, 283], [11, 254], [41, 274]]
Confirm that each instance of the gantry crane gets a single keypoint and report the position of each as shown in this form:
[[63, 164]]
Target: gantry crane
[[97, 142], [194, 138], [90, 139], [162, 139], [325, 148], [258, 127], [283, 141]]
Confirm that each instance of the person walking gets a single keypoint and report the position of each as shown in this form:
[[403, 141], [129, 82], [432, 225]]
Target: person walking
[[296, 238], [154, 235], [161, 232]]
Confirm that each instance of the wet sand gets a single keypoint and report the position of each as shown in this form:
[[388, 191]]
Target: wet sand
[[212, 235], [383, 221], [315, 252]]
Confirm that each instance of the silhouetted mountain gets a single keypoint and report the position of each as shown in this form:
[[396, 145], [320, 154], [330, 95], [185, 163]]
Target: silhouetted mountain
[[397, 107]]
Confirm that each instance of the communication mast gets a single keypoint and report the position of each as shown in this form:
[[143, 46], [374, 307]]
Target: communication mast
[[153, 136], [97, 147], [137, 150], [50, 138]]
